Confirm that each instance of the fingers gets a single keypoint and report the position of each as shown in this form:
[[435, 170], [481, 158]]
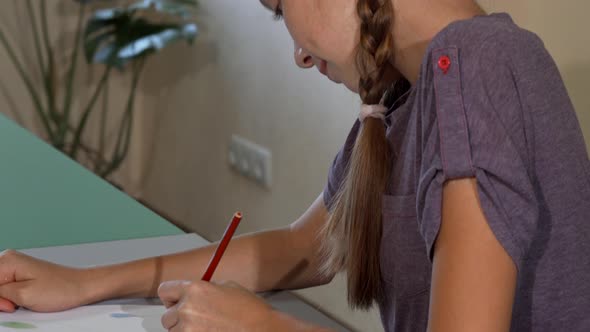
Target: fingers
[[7, 270], [7, 277], [11, 292], [16, 293], [178, 328], [171, 292], [6, 306], [201, 305], [170, 318]]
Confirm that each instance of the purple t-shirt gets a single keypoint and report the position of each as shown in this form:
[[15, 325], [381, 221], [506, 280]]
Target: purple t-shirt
[[499, 112]]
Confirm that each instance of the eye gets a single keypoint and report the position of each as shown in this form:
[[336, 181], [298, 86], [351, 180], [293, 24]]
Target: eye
[[278, 12]]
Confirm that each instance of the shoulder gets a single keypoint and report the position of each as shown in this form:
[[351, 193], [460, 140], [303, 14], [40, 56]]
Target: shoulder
[[494, 44], [492, 64], [470, 108], [484, 32]]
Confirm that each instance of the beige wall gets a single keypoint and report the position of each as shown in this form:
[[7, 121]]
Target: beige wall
[[239, 78]]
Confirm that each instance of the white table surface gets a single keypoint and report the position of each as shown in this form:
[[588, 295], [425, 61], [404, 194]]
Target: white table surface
[[91, 254]]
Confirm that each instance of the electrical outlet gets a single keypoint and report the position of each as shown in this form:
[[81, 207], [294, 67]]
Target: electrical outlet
[[250, 160]]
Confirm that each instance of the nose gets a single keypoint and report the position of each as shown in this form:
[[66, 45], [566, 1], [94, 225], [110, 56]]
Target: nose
[[302, 58]]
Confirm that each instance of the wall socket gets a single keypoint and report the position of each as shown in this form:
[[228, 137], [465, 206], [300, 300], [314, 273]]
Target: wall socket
[[250, 160]]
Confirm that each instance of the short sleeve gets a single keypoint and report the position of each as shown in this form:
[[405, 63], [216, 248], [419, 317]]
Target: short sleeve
[[339, 166], [477, 130]]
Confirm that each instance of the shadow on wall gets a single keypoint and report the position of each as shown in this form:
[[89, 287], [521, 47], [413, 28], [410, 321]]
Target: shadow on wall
[[12, 108], [162, 84], [14, 22], [187, 62], [577, 80], [180, 61]]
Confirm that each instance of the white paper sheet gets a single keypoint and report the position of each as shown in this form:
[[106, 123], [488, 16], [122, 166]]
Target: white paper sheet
[[95, 318]]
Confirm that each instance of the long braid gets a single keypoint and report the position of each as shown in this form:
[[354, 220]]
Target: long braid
[[353, 233]]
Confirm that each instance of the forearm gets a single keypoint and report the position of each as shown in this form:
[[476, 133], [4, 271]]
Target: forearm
[[260, 261]]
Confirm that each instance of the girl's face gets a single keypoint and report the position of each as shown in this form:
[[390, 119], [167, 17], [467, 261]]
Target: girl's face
[[325, 35]]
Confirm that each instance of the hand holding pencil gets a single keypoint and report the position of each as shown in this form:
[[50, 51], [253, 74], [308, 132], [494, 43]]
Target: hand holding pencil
[[213, 306]]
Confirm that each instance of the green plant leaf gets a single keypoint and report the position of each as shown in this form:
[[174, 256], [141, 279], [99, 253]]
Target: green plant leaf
[[96, 24], [110, 14], [158, 40], [117, 36], [180, 8]]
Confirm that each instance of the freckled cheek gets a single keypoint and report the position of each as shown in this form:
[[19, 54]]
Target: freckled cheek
[[302, 33], [345, 58]]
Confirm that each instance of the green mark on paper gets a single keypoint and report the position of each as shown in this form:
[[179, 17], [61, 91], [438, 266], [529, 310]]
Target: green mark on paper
[[17, 325]]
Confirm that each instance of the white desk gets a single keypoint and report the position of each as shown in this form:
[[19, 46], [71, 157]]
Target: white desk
[[85, 255]]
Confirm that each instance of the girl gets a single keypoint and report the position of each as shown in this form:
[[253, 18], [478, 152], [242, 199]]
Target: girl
[[459, 202]]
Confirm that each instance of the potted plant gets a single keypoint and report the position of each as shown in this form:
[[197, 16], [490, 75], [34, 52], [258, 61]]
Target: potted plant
[[122, 37]]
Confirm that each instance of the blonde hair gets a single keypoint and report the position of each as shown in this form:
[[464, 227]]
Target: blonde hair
[[352, 235]]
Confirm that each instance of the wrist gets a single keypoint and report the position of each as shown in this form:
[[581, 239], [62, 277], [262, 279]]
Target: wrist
[[87, 283], [94, 284], [133, 279]]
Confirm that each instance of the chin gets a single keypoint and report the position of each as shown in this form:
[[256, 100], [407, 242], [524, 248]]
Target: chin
[[348, 85], [352, 87], [335, 80]]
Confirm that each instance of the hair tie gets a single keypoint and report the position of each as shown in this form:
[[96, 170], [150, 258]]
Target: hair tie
[[372, 111]]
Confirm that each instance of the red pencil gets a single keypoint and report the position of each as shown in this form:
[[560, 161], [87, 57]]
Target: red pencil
[[229, 232]]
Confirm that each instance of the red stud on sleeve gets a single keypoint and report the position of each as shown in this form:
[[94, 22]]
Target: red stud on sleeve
[[444, 63]]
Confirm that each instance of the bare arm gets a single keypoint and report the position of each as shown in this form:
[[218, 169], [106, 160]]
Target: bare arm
[[473, 278], [284, 258]]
